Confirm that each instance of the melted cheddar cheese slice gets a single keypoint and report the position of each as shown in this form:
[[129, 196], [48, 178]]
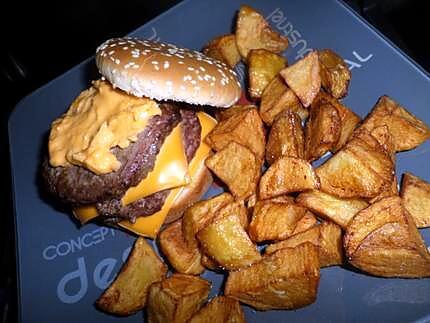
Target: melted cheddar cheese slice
[[150, 225]]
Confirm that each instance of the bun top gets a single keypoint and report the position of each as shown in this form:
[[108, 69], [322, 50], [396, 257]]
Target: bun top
[[165, 72]]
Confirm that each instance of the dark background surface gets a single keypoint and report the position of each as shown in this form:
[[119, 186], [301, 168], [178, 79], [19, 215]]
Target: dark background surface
[[42, 40]]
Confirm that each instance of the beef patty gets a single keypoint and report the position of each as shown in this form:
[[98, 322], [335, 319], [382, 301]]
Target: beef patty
[[77, 185], [112, 210]]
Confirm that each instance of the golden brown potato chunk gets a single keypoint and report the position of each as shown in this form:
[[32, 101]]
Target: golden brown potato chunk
[[287, 175], [128, 292], [245, 128], [415, 193], [331, 207], [177, 298], [285, 279], [253, 32], [348, 119], [303, 77], [306, 222], [361, 169], [224, 114], [201, 213], [220, 309], [327, 237], [274, 221], [335, 75], [237, 167], [277, 97], [263, 66], [383, 240], [286, 137], [407, 130], [224, 49], [322, 131], [181, 256], [226, 241]]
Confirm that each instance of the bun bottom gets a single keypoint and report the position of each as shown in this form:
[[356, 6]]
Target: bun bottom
[[190, 194]]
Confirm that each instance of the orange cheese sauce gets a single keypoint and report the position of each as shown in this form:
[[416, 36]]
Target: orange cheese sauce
[[99, 119]]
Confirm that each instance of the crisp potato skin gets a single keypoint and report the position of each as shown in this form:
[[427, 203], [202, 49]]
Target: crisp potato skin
[[226, 241], [383, 240], [177, 298], [223, 48], [286, 137], [263, 66], [253, 32], [278, 97], [304, 78], [128, 292], [407, 130], [220, 309], [327, 237], [415, 193], [287, 175], [238, 168], [183, 257], [331, 207], [335, 75], [286, 279]]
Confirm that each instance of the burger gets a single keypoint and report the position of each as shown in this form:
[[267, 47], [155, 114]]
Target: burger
[[130, 149]]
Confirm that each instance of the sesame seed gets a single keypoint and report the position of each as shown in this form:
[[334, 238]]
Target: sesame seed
[[180, 62], [200, 78], [111, 52], [190, 68], [156, 67], [135, 66], [193, 82], [202, 68], [187, 78], [125, 48], [166, 65], [117, 61], [154, 62]]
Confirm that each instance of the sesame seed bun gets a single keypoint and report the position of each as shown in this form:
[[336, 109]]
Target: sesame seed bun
[[165, 72]]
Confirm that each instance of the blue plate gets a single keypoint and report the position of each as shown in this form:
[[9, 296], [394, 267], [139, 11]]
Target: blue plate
[[63, 268]]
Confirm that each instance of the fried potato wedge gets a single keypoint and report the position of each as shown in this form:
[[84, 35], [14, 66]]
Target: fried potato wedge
[[330, 207], [263, 66], [407, 130], [220, 309], [327, 237], [199, 214], [286, 137], [322, 131], [415, 193], [253, 32], [285, 279], [177, 298], [226, 241], [361, 169], [224, 114], [128, 292], [383, 240], [335, 75], [306, 222], [303, 77], [245, 128], [237, 167], [391, 190], [274, 221], [183, 258], [224, 49], [287, 175], [277, 97], [348, 119], [210, 264]]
